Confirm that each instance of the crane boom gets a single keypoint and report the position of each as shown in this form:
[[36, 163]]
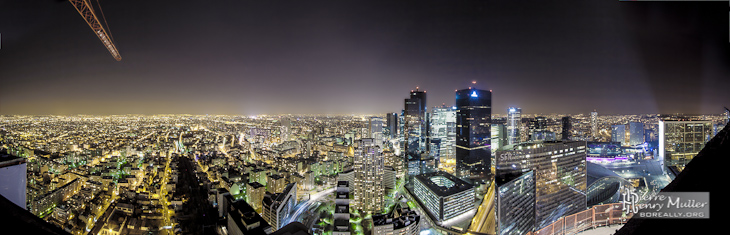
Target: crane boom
[[86, 11]]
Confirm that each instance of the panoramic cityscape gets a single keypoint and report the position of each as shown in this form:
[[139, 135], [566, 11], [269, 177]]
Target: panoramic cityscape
[[382, 118]]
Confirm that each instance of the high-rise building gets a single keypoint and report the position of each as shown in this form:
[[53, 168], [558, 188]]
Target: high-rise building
[[538, 124], [514, 121], [636, 133], [278, 205], [285, 129], [414, 131], [392, 125], [516, 204], [443, 128], [255, 194], [275, 183], [499, 137], [369, 169], [473, 118], [681, 140], [567, 128], [443, 195], [375, 126], [594, 124], [560, 175], [618, 134]]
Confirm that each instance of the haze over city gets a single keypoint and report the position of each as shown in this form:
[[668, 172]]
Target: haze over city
[[260, 57]]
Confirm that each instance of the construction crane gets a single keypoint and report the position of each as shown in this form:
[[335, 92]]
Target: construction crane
[[87, 12]]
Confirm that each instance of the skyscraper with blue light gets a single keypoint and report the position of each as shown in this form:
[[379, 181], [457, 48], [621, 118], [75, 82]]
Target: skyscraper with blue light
[[473, 139]]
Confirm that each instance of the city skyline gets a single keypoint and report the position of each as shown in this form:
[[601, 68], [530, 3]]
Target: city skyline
[[337, 58]]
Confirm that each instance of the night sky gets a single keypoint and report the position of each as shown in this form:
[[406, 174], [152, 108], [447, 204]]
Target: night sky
[[348, 57]]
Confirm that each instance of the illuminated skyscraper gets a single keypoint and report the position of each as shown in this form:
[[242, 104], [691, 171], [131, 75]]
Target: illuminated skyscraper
[[369, 169], [414, 133], [618, 134], [443, 128], [681, 140], [594, 124], [473, 118], [514, 119], [636, 133]]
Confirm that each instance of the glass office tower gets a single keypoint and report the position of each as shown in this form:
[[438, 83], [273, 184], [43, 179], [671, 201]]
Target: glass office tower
[[681, 140], [443, 128], [473, 118], [514, 121]]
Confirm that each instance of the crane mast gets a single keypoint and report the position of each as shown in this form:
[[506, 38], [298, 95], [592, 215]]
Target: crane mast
[[87, 12]]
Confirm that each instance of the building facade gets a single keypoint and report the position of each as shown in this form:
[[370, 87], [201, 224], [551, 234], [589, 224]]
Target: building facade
[[13, 179], [516, 204], [369, 170], [560, 175], [499, 137], [342, 209]]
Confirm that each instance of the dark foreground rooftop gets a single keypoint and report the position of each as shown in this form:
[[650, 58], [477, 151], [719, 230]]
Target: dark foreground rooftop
[[14, 218], [705, 173]]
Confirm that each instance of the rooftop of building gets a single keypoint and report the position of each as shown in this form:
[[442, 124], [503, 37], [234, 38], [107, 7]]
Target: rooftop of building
[[400, 217], [443, 184], [246, 217], [255, 184], [10, 160]]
